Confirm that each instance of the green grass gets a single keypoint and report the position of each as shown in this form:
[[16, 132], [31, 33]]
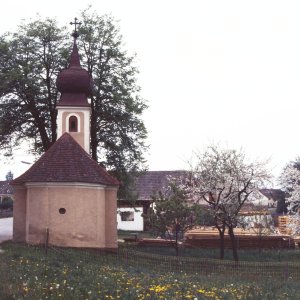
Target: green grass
[[131, 234], [27, 273], [264, 255]]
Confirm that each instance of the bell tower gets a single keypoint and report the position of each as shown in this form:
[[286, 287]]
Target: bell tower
[[73, 109]]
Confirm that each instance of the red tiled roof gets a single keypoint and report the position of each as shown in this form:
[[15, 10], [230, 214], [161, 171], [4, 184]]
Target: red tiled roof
[[66, 161]]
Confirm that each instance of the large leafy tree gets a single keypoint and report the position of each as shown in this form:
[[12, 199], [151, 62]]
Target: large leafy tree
[[30, 60], [290, 182], [224, 180]]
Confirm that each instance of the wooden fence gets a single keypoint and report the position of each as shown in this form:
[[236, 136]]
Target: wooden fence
[[142, 261]]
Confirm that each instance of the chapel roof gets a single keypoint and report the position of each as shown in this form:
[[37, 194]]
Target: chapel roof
[[66, 161]]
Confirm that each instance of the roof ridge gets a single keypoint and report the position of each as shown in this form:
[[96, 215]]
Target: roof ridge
[[66, 161]]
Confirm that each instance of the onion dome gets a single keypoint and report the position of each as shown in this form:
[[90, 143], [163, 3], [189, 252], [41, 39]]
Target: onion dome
[[74, 83]]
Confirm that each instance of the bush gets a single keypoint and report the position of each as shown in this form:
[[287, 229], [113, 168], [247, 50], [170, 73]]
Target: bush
[[7, 203]]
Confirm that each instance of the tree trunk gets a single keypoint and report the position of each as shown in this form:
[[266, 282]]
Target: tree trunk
[[39, 123], [221, 230], [177, 228], [233, 243], [222, 244], [53, 126], [176, 243], [93, 132]]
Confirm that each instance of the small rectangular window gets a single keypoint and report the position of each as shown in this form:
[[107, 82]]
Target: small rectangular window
[[127, 216]]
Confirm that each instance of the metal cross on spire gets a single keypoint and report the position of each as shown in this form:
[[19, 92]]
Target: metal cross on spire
[[75, 34]]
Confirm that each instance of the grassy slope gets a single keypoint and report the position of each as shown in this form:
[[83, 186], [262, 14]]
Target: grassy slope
[[27, 273]]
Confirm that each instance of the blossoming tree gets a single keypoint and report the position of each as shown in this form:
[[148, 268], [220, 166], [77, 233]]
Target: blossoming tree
[[290, 182], [225, 180]]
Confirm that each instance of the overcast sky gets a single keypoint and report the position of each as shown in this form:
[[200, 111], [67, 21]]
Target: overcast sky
[[226, 72]]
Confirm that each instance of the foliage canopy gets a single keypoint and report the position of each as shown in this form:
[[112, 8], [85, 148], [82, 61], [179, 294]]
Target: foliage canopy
[[172, 213]]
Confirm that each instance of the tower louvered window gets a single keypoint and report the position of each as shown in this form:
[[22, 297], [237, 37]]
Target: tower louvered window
[[73, 124]]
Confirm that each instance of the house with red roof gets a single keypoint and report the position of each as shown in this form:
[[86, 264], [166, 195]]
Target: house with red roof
[[66, 198], [147, 185]]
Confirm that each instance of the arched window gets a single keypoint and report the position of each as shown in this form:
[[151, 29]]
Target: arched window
[[73, 124]]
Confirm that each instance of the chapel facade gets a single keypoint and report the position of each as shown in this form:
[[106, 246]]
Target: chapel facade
[[66, 198]]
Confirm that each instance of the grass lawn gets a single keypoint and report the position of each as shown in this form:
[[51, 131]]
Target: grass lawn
[[263, 255], [132, 234], [27, 273]]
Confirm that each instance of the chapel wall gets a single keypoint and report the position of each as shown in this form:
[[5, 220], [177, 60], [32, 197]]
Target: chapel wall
[[82, 224], [111, 218], [19, 215], [37, 215], [75, 216]]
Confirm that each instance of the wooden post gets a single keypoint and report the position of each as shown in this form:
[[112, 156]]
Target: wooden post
[[47, 240]]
